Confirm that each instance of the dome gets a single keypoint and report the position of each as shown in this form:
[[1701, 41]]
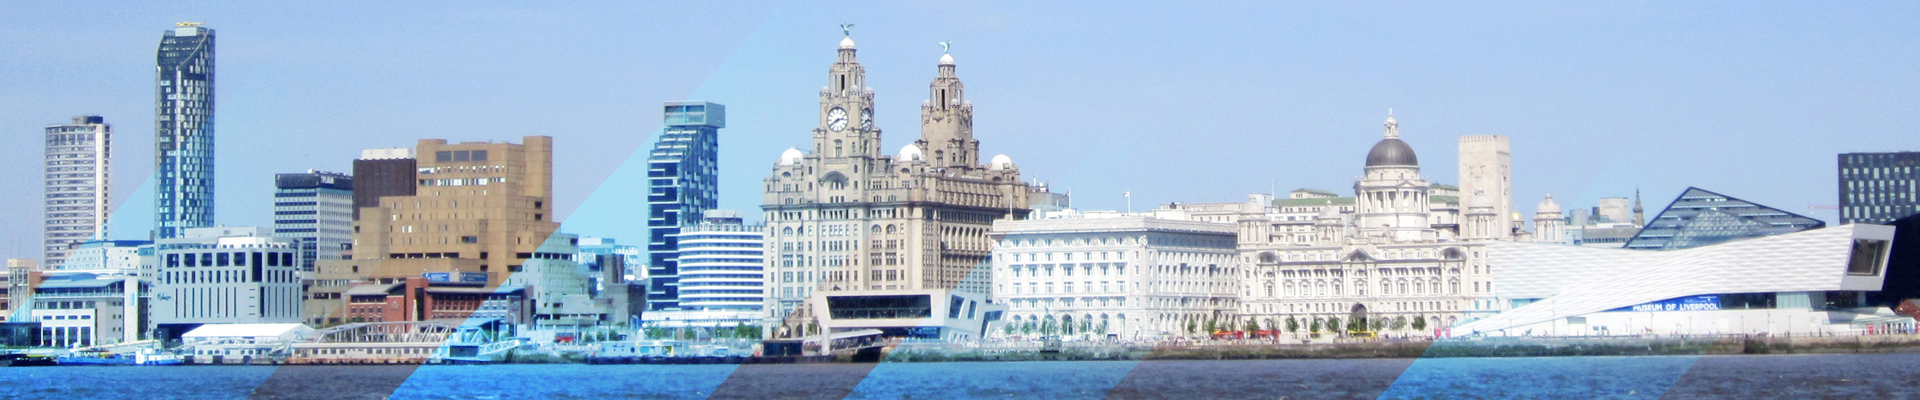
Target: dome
[[1000, 162], [1548, 206], [790, 157], [846, 43], [946, 59], [1392, 152], [910, 153]]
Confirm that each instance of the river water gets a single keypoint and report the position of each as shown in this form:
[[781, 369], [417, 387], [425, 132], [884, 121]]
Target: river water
[[1881, 376]]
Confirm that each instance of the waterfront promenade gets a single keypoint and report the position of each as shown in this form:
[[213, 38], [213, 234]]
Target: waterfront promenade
[[1884, 376]]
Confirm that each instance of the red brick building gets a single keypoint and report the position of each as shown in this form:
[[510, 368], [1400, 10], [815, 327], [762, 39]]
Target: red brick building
[[428, 298]]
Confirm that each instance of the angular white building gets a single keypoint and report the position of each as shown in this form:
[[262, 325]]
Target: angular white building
[[1798, 283]]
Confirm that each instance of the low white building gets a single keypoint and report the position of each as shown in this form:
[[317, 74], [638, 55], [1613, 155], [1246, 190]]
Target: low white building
[[1129, 276], [240, 343], [1809, 282]]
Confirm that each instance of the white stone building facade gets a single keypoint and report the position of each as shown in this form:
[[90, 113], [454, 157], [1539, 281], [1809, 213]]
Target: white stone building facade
[[1127, 276]]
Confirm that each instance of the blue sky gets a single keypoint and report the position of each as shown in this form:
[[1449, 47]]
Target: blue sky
[[1173, 102]]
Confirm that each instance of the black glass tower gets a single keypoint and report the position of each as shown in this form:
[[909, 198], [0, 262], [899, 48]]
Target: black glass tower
[[183, 128], [1878, 188], [682, 182]]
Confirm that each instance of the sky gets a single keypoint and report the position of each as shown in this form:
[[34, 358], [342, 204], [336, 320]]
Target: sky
[[1171, 102]]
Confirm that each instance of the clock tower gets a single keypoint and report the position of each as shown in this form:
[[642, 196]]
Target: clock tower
[[946, 121], [846, 110]]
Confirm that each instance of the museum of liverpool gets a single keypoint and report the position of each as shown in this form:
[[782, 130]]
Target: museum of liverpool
[[1809, 282]]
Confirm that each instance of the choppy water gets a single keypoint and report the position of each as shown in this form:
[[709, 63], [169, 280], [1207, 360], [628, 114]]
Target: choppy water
[[1776, 376]]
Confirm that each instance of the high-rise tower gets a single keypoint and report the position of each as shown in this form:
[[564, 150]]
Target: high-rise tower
[[77, 185], [682, 182], [183, 128]]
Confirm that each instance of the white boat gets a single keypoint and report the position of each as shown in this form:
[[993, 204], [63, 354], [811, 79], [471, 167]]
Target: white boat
[[472, 345]]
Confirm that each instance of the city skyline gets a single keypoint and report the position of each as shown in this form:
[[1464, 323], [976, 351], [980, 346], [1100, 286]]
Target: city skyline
[[1655, 110]]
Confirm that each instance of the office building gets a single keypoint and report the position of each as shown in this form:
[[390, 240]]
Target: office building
[[1138, 276], [183, 144], [1700, 217], [1609, 224], [78, 187], [437, 295], [224, 275], [1878, 188], [107, 256], [479, 209], [90, 308], [720, 260], [845, 218], [22, 275], [682, 181], [314, 210], [382, 173]]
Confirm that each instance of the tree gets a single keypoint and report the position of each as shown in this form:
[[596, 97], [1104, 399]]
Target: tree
[[1419, 323], [1026, 328], [1211, 327], [1399, 322], [1333, 326], [1253, 327], [1315, 329], [1103, 328], [1086, 325], [1192, 327], [1007, 328], [1379, 323], [1293, 325]]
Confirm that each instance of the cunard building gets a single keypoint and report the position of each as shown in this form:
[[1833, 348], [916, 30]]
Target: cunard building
[[1388, 256], [857, 239]]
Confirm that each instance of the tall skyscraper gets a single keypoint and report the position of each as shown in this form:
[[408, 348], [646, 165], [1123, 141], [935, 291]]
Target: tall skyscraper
[[381, 173], [846, 218], [183, 128], [78, 163], [314, 210], [1878, 188], [1486, 171], [682, 181]]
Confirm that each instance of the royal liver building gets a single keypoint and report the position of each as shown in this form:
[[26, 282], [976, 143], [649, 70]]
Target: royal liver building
[[843, 217]]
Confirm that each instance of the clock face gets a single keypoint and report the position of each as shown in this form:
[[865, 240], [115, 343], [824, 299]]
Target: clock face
[[837, 119], [866, 119]]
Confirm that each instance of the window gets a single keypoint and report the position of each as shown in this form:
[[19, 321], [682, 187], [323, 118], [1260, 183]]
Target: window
[[1868, 255]]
